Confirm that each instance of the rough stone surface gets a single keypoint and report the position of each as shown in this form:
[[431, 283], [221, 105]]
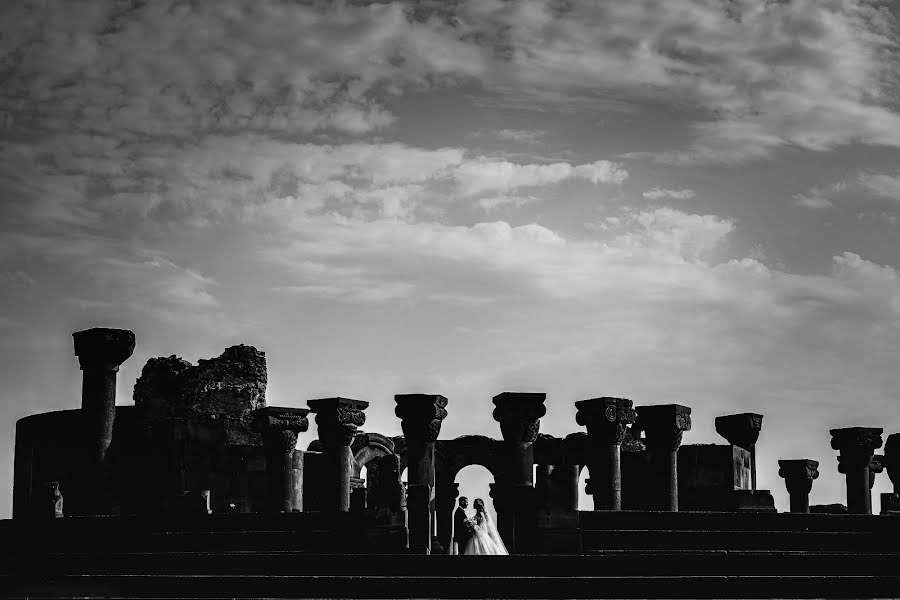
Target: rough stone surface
[[741, 429], [421, 415], [232, 385], [519, 415], [103, 348]]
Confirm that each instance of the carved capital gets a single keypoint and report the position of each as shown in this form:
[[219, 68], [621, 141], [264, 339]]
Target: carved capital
[[856, 445], [101, 348], [605, 418], [741, 429], [519, 415], [663, 425], [280, 426], [421, 416], [337, 419], [798, 474]]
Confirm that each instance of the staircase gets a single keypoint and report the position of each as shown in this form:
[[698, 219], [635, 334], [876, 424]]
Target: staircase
[[626, 554]]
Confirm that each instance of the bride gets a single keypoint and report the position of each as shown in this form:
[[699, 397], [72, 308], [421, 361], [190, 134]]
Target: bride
[[485, 539]]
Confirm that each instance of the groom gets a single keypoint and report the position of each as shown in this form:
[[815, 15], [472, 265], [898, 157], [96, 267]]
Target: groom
[[461, 532]]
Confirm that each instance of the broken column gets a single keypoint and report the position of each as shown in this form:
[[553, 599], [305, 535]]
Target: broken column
[[605, 419], [857, 445], [100, 351], [798, 479], [280, 428], [420, 416], [519, 417], [337, 420], [663, 426], [742, 430]]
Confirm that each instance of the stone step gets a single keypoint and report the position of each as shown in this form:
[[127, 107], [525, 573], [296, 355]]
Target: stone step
[[460, 585], [731, 521], [600, 563], [641, 539]]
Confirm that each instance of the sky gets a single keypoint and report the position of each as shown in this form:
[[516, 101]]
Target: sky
[[680, 201]]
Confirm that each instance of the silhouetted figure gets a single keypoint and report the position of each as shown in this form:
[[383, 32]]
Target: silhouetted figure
[[461, 531]]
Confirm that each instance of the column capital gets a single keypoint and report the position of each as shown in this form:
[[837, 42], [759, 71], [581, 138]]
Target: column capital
[[280, 426], [664, 424], [605, 418], [856, 445], [519, 415], [741, 429], [799, 473], [102, 348], [421, 416], [337, 419]]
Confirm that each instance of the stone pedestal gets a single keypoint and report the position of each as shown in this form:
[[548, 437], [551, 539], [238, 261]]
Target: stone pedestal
[[798, 478], [519, 417], [100, 351], [421, 417], [742, 430], [279, 428], [357, 494], [663, 426], [605, 419], [337, 420], [857, 446]]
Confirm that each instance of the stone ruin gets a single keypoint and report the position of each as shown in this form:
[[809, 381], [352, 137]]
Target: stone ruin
[[200, 440]]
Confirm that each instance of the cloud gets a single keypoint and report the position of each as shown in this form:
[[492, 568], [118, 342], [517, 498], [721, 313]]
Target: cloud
[[814, 200], [528, 136], [770, 75], [17, 279], [492, 203], [815, 75], [487, 175], [881, 184], [658, 193]]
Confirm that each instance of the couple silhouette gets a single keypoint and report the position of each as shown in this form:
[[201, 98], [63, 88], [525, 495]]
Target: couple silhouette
[[476, 535]]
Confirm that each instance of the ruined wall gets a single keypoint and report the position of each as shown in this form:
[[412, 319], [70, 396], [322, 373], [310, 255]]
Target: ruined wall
[[197, 424]]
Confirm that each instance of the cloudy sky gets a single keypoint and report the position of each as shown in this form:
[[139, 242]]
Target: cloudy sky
[[688, 201]]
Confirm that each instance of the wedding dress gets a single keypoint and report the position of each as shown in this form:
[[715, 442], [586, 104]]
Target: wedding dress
[[485, 539]]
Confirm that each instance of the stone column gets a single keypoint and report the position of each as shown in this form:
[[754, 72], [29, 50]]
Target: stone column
[[798, 479], [279, 428], [420, 417], [890, 501], [100, 351], [876, 465], [446, 494], [519, 417], [605, 419], [857, 446], [742, 430], [337, 420], [663, 426]]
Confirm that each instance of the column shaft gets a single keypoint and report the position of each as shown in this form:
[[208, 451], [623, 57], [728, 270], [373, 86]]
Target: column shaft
[[607, 475]]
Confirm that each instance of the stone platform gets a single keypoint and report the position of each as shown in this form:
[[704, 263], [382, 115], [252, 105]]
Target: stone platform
[[624, 554]]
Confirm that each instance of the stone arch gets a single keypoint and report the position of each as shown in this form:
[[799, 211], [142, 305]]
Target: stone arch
[[450, 457], [367, 447]]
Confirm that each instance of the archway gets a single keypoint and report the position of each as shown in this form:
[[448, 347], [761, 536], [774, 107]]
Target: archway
[[585, 500], [474, 481]]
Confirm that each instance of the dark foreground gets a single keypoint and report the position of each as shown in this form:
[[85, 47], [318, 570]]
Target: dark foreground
[[637, 555]]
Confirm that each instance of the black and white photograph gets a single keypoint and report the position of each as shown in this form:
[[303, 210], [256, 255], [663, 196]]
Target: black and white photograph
[[449, 299]]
